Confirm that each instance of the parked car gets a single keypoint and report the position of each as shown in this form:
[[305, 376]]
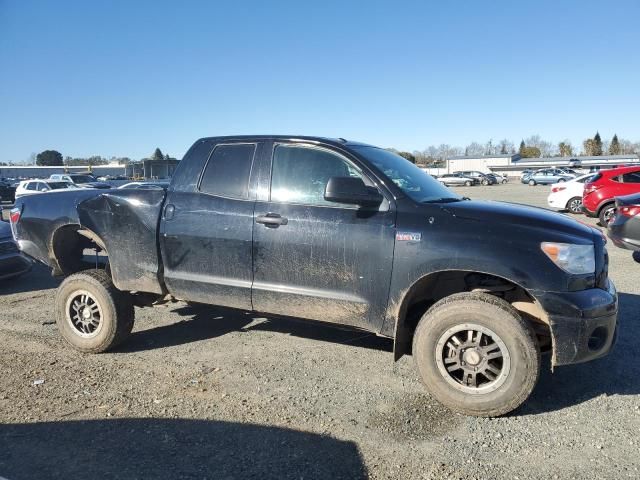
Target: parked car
[[31, 187], [85, 180], [12, 262], [624, 227], [338, 232], [479, 177], [547, 176], [568, 195], [146, 185], [452, 179], [498, 177], [599, 194], [7, 192]]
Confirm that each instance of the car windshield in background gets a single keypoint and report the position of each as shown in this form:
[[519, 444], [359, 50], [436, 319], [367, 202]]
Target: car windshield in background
[[415, 183], [59, 185], [82, 178]]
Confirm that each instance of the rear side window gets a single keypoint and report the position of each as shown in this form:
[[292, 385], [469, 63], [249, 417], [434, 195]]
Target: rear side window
[[633, 177], [227, 172], [31, 186]]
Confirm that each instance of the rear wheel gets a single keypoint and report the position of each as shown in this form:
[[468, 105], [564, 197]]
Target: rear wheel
[[93, 316], [485, 182], [467, 183], [606, 214], [532, 183], [574, 205], [562, 180], [476, 355]]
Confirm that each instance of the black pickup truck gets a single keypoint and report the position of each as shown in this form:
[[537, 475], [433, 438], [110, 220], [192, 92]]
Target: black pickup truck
[[341, 232]]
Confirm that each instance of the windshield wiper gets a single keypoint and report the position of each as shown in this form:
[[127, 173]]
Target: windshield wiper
[[444, 200]]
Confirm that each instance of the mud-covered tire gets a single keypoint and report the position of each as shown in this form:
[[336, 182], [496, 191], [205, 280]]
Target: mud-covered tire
[[499, 317], [111, 308]]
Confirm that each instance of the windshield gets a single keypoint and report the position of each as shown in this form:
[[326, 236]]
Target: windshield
[[414, 182], [82, 178], [59, 185]]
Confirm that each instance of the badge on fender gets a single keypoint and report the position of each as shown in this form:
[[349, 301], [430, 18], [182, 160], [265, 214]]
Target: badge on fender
[[408, 237]]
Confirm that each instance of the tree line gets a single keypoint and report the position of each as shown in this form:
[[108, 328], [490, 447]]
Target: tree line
[[53, 158], [532, 147]]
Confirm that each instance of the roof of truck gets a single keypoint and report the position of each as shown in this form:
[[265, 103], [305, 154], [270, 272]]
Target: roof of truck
[[306, 138]]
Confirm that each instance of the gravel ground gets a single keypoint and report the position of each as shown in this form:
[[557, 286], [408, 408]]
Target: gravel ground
[[212, 393]]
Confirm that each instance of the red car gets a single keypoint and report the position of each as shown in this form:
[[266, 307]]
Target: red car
[[598, 199]]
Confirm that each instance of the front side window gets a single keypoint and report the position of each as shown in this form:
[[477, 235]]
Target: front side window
[[42, 187], [31, 185], [300, 174], [228, 170]]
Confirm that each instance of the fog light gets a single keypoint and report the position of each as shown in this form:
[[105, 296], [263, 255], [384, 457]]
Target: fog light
[[597, 339]]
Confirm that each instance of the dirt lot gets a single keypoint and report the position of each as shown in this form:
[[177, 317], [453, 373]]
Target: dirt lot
[[221, 394]]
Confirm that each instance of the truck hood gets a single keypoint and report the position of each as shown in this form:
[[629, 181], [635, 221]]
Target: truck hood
[[492, 212]]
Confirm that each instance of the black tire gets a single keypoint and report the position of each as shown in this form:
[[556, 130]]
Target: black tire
[[519, 367], [562, 180], [504, 180], [574, 205], [532, 183], [467, 183], [485, 182], [93, 290], [606, 214]]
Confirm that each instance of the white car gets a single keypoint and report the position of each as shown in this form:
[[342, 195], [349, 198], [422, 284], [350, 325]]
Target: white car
[[568, 195], [30, 187]]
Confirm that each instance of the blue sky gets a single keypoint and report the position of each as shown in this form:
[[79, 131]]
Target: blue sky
[[122, 77]]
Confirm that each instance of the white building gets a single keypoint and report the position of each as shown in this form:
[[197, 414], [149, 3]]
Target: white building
[[513, 165], [483, 164]]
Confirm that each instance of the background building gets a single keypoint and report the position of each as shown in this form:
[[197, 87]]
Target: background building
[[513, 165]]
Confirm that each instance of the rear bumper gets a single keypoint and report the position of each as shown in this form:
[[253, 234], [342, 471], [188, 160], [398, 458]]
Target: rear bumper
[[617, 235], [583, 324], [14, 265], [588, 212]]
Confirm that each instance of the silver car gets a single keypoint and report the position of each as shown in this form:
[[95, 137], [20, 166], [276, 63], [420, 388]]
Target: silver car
[[456, 179]]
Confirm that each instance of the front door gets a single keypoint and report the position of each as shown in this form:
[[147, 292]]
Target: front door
[[317, 259]]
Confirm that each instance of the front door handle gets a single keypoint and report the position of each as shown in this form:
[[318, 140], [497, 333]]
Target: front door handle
[[271, 220]]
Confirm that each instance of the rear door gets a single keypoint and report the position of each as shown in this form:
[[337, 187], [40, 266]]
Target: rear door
[[317, 259], [629, 183], [207, 227]]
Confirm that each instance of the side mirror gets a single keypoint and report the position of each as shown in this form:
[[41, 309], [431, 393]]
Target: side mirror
[[351, 190]]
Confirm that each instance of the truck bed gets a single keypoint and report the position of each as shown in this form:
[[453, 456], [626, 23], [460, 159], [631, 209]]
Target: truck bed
[[53, 225]]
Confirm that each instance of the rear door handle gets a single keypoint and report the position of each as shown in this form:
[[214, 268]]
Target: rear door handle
[[272, 220]]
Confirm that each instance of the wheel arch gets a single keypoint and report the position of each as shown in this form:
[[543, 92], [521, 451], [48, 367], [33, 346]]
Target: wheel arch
[[434, 286], [68, 243]]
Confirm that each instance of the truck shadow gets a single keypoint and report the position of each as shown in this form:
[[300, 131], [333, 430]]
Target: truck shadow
[[616, 374], [39, 278], [171, 448], [205, 321]]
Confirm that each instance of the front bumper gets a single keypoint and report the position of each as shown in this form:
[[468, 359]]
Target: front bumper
[[583, 324]]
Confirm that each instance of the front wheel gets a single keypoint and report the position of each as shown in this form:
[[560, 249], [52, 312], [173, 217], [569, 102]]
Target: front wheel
[[532, 183], [562, 180], [93, 316], [574, 205], [476, 355], [467, 183]]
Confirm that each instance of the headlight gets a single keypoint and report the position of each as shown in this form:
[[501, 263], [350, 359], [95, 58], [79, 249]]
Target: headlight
[[576, 259]]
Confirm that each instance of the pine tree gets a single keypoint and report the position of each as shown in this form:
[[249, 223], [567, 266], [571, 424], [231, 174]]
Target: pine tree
[[522, 145], [614, 148], [157, 155], [597, 148]]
